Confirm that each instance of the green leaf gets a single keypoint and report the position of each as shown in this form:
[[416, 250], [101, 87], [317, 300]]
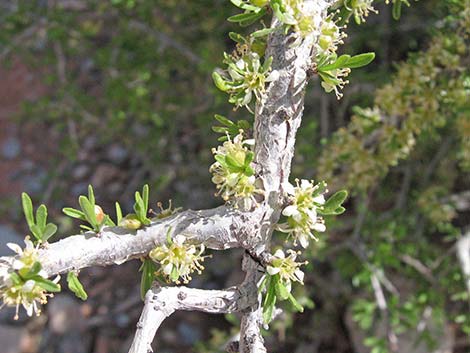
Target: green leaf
[[281, 291], [148, 269], [16, 279], [249, 171], [221, 160], [174, 274], [118, 212], [270, 299], [89, 211], [223, 120], [131, 221], [41, 217], [33, 271], [243, 124], [262, 32], [243, 5], [247, 18], [267, 63], [139, 206], [49, 230], [335, 201], [283, 17], [27, 208], [396, 10], [237, 37], [145, 196], [76, 286], [360, 60], [91, 195], [233, 163], [219, 82], [37, 232], [249, 158], [295, 303], [220, 129], [72, 212], [46, 284], [339, 63]]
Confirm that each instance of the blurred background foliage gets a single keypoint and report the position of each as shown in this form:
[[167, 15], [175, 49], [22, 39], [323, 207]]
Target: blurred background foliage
[[124, 96]]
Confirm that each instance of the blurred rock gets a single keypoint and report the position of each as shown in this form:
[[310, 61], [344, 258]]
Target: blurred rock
[[65, 324], [65, 315], [189, 334], [34, 182], [11, 148], [11, 339], [117, 154], [79, 189], [104, 174], [80, 171]]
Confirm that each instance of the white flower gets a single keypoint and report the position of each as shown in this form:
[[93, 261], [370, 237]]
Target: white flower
[[236, 184], [302, 217], [360, 9], [15, 289], [178, 258], [286, 267]]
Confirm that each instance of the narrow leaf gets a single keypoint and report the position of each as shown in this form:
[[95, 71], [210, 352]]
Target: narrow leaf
[[76, 286], [148, 269], [223, 120], [49, 230], [335, 201], [27, 208], [91, 195], [219, 82], [41, 217], [89, 211], [72, 212], [262, 32], [46, 284], [396, 10], [360, 60], [237, 37], [145, 196], [118, 212], [295, 303]]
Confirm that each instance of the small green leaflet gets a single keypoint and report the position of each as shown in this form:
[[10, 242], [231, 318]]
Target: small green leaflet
[[148, 269], [347, 61], [39, 227], [333, 205], [75, 286]]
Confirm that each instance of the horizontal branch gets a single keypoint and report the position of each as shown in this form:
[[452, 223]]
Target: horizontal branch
[[161, 302], [219, 228]]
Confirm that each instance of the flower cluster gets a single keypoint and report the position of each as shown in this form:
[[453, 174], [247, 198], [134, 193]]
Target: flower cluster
[[233, 173], [301, 215], [301, 15], [360, 9], [331, 36], [334, 80], [287, 268], [23, 282], [245, 76], [178, 259]]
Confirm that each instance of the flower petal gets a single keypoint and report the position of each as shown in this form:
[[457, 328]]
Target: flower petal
[[15, 247], [272, 270], [279, 254], [290, 210]]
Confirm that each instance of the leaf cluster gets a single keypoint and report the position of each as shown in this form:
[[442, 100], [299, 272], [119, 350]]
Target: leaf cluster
[[38, 225]]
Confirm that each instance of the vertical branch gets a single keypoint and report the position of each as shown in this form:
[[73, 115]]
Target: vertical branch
[[152, 316], [277, 119]]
